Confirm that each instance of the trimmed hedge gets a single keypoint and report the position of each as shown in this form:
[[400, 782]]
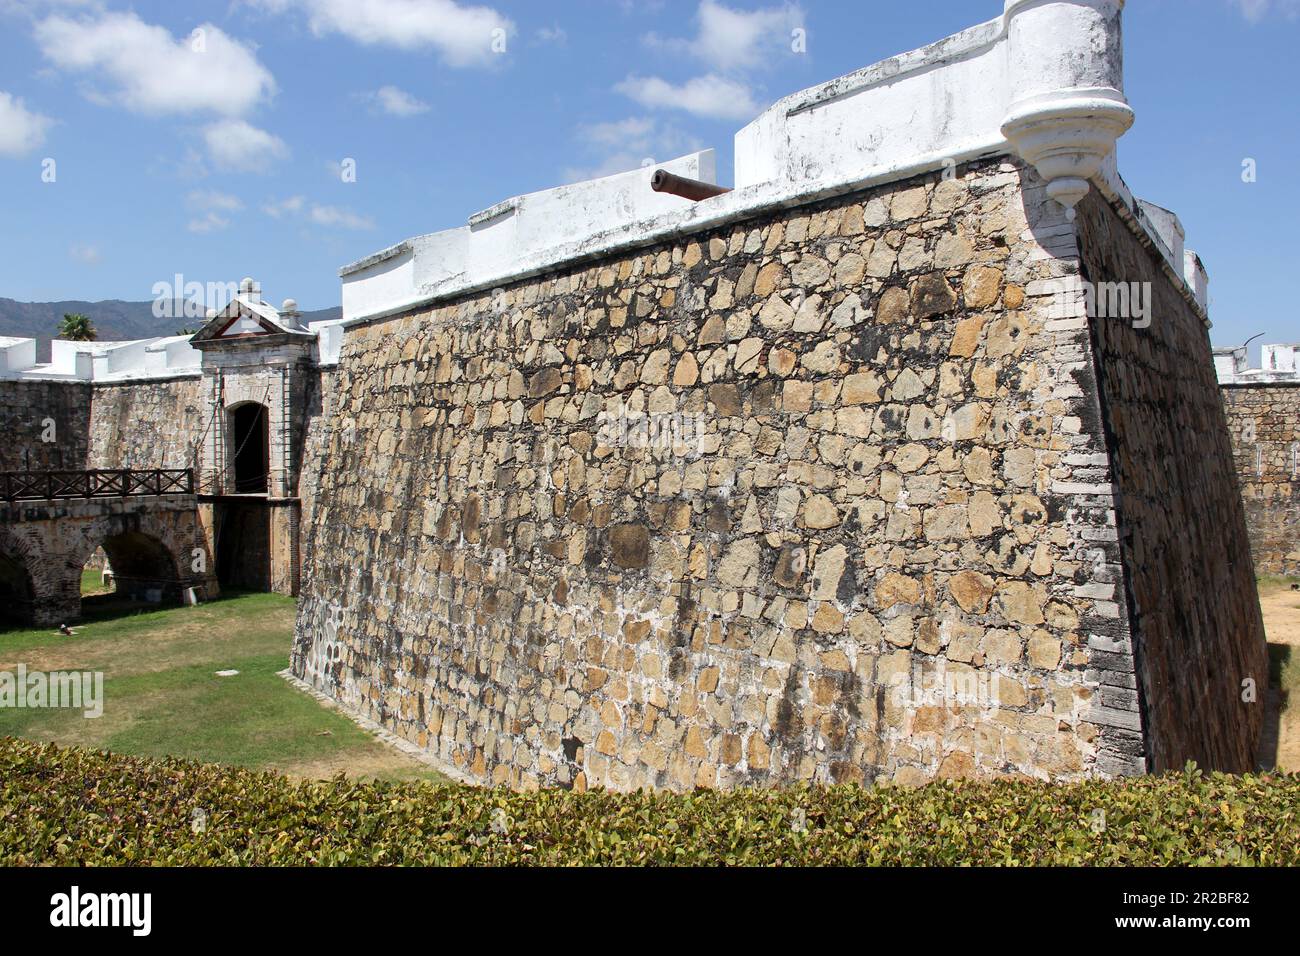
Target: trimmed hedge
[[68, 806]]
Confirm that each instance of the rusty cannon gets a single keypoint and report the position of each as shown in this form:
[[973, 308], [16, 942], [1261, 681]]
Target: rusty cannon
[[665, 182]]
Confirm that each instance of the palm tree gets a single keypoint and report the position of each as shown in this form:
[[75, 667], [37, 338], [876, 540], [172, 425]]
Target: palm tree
[[76, 327]]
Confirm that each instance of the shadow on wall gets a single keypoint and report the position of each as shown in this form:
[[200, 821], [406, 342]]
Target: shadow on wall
[[1281, 658], [15, 592], [243, 544], [46, 426]]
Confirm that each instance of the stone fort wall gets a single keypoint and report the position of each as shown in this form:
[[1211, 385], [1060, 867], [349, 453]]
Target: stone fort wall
[[887, 477], [1188, 587], [1264, 422], [27, 409], [149, 424]]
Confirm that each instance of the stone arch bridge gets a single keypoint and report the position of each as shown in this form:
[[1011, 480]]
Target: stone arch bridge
[[147, 522]]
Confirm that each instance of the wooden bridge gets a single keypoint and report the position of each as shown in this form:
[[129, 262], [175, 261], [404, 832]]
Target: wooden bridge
[[94, 483]]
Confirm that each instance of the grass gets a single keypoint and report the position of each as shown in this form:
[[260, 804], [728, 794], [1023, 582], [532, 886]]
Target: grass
[[92, 582], [163, 697], [1275, 582]]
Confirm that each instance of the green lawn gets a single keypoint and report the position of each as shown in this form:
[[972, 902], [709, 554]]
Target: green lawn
[[92, 582], [163, 696]]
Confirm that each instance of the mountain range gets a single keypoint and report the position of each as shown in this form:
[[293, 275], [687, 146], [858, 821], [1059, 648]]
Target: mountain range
[[114, 319]]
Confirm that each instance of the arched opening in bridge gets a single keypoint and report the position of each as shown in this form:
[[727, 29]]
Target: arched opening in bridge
[[97, 575], [15, 592], [144, 572], [250, 448]]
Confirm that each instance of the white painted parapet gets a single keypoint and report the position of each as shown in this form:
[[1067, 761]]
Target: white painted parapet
[[1169, 228], [1280, 358], [329, 340], [943, 101], [16, 354], [1229, 362], [1197, 279], [1279, 363], [100, 361], [495, 241]]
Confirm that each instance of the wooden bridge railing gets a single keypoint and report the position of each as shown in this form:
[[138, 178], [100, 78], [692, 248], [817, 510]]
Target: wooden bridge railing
[[96, 483]]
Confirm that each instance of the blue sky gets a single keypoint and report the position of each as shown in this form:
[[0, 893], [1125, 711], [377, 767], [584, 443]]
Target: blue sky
[[224, 160]]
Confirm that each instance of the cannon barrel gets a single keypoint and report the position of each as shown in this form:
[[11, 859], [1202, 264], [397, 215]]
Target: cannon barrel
[[665, 182]]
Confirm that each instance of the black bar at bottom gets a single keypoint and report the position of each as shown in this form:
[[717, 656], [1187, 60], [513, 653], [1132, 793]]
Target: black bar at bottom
[[384, 907]]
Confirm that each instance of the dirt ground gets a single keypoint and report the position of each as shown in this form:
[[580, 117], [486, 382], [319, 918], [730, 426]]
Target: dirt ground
[[1280, 746]]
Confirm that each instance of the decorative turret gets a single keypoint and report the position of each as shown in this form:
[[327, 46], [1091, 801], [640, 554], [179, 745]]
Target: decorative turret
[[1066, 73]]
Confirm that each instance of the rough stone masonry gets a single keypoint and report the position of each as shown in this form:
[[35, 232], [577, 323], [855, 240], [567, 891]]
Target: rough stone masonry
[[835, 494], [1264, 422]]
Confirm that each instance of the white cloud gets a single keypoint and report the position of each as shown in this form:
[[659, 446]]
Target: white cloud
[[85, 254], [463, 35], [333, 216], [191, 165], [150, 71], [728, 39], [210, 199], [639, 134], [711, 96], [321, 215], [208, 222], [237, 146], [21, 130], [619, 162], [398, 102], [284, 207], [626, 144], [214, 209], [626, 132], [552, 34], [1257, 10], [646, 7], [35, 8]]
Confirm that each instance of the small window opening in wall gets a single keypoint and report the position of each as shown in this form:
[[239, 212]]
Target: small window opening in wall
[[251, 448]]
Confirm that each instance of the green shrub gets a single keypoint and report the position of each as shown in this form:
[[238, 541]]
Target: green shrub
[[68, 806]]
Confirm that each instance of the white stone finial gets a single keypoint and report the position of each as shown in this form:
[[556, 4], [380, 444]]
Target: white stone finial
[[247, 285], [1066, 67], [289, 314]]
